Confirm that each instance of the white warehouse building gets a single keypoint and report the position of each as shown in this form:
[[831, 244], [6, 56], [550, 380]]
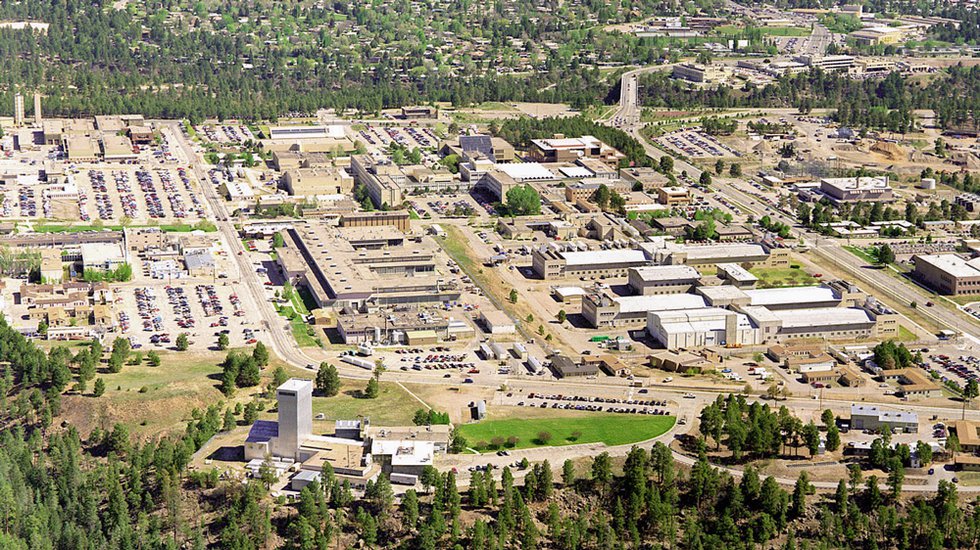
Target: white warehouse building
[[698, 328]]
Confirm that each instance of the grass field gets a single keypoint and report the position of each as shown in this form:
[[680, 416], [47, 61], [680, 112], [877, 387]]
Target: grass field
[[393, 407], [862, 253], [182, 382], [611, 429], [770, 31], [906, 335], [71, 228], [778, 277]]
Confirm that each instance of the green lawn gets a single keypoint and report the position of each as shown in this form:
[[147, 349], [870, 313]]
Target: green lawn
[[906, 335], [298, 326], [71, 228], [393, 407], [770, 277], [862, 253], [770, 31], [611, 429]]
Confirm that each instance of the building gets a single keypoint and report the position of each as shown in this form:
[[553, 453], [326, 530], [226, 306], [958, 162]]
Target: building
[[19, 109], [399, 219], [649, 178], [200, 264], [37, 109], [608, 310], [363, 268], [117, 148], [565, 367], [102, 256], [746, 254], [52, 269], [829, 63], [736, 275], [663, 279], [674, 195], [328, 180], [562, 149], [968, 432], [913, 382], [81, 148], [873, 36], [947, 273], [497, 322], [420, 111], [701, 74], [586, 190], [859, 189], [702, 327], [874, 419], [555, 261]]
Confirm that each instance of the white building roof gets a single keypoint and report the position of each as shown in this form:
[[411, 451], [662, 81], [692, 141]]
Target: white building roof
[[661, 302], [520, 171], [790, 295], [666, 272], [575, 172], [822, 316], [566, 291], [600, 257], [951, 264], [699, 320], [737, 272], [405, 452]]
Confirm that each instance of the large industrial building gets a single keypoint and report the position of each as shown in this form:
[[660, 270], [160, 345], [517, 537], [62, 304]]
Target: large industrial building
[[362, 268], [860, 189], [663, 279], [872, 418], [556, 260], [947, 273], [356, 453]]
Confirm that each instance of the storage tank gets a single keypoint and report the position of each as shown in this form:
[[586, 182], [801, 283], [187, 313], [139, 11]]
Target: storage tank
[[927, 183]]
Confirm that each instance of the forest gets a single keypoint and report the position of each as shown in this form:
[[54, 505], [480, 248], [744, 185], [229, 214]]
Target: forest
[[109, 490], [170, 59], [885, 104]]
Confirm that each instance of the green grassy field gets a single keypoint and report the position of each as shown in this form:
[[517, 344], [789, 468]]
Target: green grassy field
[[769, 31], [862, 253], [66, 228], [778, 277], [906, 335], [393, 407], [611, 429]]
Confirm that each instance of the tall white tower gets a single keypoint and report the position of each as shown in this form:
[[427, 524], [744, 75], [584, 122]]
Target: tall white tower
[[37, 109], [295, 398], [18, 109]]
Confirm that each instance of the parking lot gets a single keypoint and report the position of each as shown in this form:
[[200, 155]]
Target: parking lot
[[696, 144], [138, 193], [159, 313], [634, 404], [226, 133]]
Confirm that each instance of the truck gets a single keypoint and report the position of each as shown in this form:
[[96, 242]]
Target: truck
[[358, 362]]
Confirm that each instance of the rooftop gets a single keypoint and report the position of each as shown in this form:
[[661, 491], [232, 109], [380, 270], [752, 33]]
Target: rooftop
[[822, 316], [790, 295], [661, 302], [666, 272], [952, 264], [884, 416], [599, 257]]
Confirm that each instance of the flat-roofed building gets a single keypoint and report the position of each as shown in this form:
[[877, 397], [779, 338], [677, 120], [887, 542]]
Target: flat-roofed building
[[648, 177], [828, 63], [947, 273], [701, 74], [400, 219], [873, 36], [701, 327], [663, 279], [865, 417], [674, 195], [859, 189], [318, 181], [553, 262], [81, 148], [736, 275], [117, 148], [420, 111], [608, 310], [746, 254], [362, 279], [564, 149], [794, 297], [565, 367]]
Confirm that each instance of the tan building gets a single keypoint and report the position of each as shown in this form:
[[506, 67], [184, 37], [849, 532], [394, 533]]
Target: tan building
[[947, 273], [400, 219], [52, 270], [674, 196], [317, 181]]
